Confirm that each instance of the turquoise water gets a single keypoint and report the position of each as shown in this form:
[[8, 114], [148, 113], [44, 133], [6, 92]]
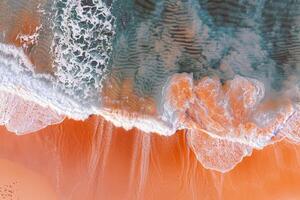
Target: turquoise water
[[257, 39], [86, 45]]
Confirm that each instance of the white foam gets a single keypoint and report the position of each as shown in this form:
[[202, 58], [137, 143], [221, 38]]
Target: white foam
[[17, 77], [217, 154], [27, 40], [147, 124], [81, 47], [21, 116]]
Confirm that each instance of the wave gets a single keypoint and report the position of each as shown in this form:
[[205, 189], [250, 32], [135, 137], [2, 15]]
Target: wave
[[209, 69]]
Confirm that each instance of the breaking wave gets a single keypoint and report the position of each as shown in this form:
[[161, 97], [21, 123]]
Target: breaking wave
[[228, 73]]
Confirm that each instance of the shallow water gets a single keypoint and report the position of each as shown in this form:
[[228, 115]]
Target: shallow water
[[194, 83]]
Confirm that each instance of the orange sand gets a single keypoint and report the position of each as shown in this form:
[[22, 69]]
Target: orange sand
[[17, 182], [94, 160]]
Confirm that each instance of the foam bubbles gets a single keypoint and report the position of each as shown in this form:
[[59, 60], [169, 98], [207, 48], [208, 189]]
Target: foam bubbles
[[21, 116], [81, 46]]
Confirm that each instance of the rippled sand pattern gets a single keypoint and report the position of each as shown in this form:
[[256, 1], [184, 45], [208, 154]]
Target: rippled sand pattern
[[207, 91]]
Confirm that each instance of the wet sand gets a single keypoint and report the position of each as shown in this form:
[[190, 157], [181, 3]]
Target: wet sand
[[94, 160], [18, 182]]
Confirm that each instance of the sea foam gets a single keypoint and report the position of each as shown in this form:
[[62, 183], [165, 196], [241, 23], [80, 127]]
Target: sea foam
[[214, 79]]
